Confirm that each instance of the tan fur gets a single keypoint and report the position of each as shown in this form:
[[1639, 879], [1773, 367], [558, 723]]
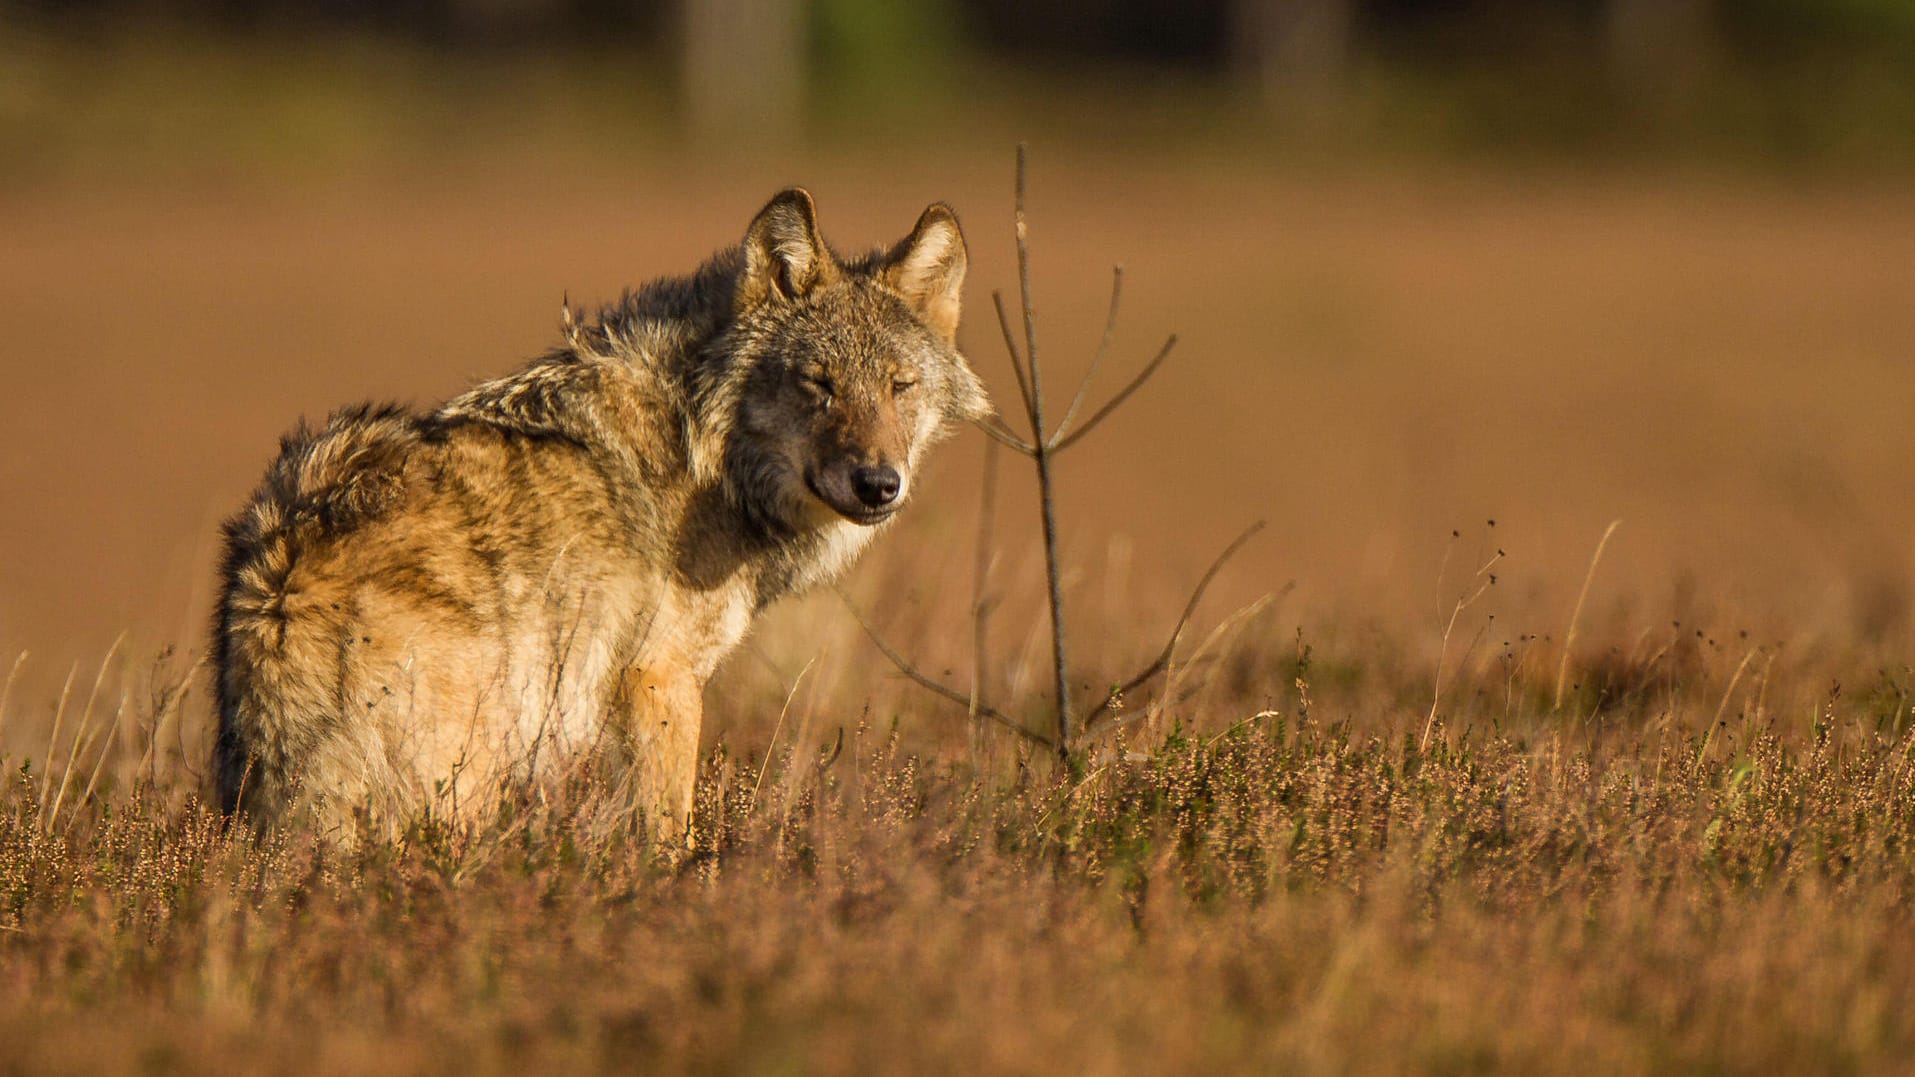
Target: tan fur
[[416, 608]]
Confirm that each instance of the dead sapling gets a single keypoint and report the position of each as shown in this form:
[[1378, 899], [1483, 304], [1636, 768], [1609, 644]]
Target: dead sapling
[[1071, 727]]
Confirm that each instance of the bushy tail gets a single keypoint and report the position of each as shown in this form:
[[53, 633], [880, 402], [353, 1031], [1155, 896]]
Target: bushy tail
[[279, 622]]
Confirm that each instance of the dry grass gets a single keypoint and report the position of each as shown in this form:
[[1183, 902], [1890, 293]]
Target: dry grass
[[1681, 878]]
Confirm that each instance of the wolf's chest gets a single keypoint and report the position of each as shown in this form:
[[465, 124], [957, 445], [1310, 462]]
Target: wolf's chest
[[693, 630]]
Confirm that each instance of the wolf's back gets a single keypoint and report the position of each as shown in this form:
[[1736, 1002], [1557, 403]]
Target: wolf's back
[[278, 625]]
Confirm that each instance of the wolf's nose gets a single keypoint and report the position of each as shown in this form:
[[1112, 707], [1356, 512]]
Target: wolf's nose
[[876, 486]]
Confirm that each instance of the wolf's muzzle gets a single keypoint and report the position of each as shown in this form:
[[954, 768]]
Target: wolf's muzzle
[[877, 487]]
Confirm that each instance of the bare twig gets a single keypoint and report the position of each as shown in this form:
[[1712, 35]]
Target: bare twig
[[929, 683], [1060, 443], [1023, 235], [1097, 360], [997, 433], [980, 577], [1017, 362], [1047, 501], [1044, 444], [1170, 648]]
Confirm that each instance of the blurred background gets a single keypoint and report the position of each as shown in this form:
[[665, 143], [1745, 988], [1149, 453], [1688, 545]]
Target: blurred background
[[1434, 263], [250, 82]]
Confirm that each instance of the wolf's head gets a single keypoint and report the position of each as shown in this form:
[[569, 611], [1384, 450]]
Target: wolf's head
[[849, 368]]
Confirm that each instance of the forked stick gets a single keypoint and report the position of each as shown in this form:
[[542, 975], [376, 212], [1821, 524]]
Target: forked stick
[[1042, 445], [1059, 443], [1010, 349], [1103, 349]]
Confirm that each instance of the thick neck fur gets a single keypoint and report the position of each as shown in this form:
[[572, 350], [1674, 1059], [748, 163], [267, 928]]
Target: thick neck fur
[[653, 381]]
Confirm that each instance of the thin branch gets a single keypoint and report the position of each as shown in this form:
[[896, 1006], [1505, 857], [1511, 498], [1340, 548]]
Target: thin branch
[[1023, 233], [980, 577], [1097, 360], [1061, 442], [997, 432], [1163, 660], [1046, 497], [1017, 361], [929, 683]]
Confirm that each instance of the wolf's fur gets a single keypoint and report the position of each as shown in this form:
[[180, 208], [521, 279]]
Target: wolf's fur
[[415, 607]]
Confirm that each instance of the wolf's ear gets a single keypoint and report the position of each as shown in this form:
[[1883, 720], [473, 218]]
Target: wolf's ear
[[928, 269], [785, 257]]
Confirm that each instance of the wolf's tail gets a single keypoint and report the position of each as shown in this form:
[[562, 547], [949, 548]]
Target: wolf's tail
[[280, 619]]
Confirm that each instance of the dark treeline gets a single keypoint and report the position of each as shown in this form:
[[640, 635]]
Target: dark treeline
[[1202, 33], [1781, 77]]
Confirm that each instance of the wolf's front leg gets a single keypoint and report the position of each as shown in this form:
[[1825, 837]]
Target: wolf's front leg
[[660, 710]]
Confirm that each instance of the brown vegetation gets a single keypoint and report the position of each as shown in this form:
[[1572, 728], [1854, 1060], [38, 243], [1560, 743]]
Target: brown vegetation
[[1641, 888]]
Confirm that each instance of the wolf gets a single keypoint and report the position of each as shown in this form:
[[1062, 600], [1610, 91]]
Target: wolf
[[416, 607]]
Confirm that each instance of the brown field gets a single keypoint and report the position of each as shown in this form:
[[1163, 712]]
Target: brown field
[[1695, 854]]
